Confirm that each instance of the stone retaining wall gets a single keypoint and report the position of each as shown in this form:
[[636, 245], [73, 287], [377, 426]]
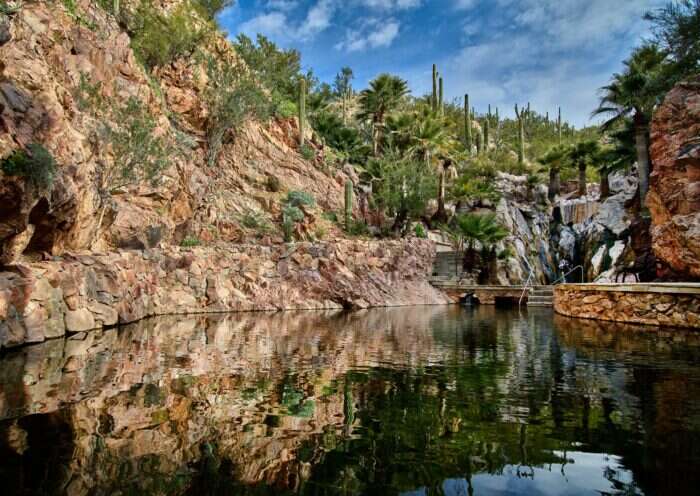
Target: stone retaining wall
[[676, 305], [75, 293]]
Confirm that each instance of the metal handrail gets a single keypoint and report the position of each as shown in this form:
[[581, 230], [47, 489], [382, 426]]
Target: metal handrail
[[527, 283], [563, 278]]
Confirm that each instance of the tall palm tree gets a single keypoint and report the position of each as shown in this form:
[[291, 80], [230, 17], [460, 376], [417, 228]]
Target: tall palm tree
[[553, 161], [633, 93], [376, 102], [433, 144], [582, 155]]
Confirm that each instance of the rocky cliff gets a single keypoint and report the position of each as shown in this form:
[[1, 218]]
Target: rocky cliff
[[674, 196], [57, 67], [75, 293]]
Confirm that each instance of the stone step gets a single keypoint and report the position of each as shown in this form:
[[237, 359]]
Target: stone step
[[540, 300], [542, 293]]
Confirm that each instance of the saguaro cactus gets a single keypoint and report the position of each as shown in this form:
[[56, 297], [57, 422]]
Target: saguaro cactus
[[435, 90], [440, 98], [348, 204], [487, 129], [559, 125], [115, 7], [302, 110], [479, 139], [467, 125], [521, 135]]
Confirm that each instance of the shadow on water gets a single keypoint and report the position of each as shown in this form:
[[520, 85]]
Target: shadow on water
[[425, 400]]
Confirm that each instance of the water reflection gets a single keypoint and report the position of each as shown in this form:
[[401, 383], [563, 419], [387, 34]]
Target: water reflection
[[429, 400]]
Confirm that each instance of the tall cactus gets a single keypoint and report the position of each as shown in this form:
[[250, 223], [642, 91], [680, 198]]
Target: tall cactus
[[115, 7], [559, 125], [440, 97], [521, 135], [302, 110], [467, 125], [487, 129], [348, 204], [479, 140], [435, 90]]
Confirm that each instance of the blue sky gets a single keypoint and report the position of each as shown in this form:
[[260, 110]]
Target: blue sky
[[547, 52]]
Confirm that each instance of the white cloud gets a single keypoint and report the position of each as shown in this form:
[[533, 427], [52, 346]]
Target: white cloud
[[391, 4], [272, 24], [282, 5], [317, 20], [277, 23], [371, 33], [465, 4]]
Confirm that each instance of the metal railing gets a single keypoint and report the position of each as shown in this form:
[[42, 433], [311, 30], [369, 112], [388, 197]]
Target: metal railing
[[563, 278], [527, 282]]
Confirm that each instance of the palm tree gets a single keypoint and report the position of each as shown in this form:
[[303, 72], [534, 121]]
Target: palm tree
[[433, 144], [581, 155], [621, 155], [482, 228], [554, 160], [376, 102], [633, 93]]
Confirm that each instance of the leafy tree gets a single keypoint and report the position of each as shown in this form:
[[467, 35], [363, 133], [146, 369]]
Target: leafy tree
[[276, 68], [633, 93], [376, 102], [676, 28], [401, 187]]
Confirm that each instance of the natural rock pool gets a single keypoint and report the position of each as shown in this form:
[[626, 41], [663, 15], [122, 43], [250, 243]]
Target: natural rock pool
[[420, 400]]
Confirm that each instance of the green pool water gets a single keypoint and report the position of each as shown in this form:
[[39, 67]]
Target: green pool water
[[414, 401]]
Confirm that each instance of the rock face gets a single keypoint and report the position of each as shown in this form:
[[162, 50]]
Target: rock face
[[598, 235], [674, 196], [77, 293], [50, 57], [653, 304]]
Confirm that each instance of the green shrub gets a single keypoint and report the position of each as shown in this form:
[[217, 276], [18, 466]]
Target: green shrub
[[255, 220], [159, 39], [190, 241], [419, 231], [10, 8], [35, 164], [307, 151], [291, 215], [284, 108], [506, 253], [331, 216], [357, 228], [88, 96], [139, 153], [274, 185], [232, 96], [299, 199]]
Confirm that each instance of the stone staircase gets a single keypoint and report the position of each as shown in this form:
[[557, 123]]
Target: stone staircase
[[541, 296]]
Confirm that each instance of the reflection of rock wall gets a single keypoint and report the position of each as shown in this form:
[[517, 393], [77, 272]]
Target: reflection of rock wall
[[83, 292], [146, 401], [656, 305], [674, 195]]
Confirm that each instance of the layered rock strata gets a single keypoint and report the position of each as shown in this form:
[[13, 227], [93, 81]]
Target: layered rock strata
[[77, 293]]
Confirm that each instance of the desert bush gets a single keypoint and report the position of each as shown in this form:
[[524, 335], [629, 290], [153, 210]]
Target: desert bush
[[255, 220], [232, 96], [190, 241], [419, 231], [307, 151], [299, 199], [157, 39], [35, 163]]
